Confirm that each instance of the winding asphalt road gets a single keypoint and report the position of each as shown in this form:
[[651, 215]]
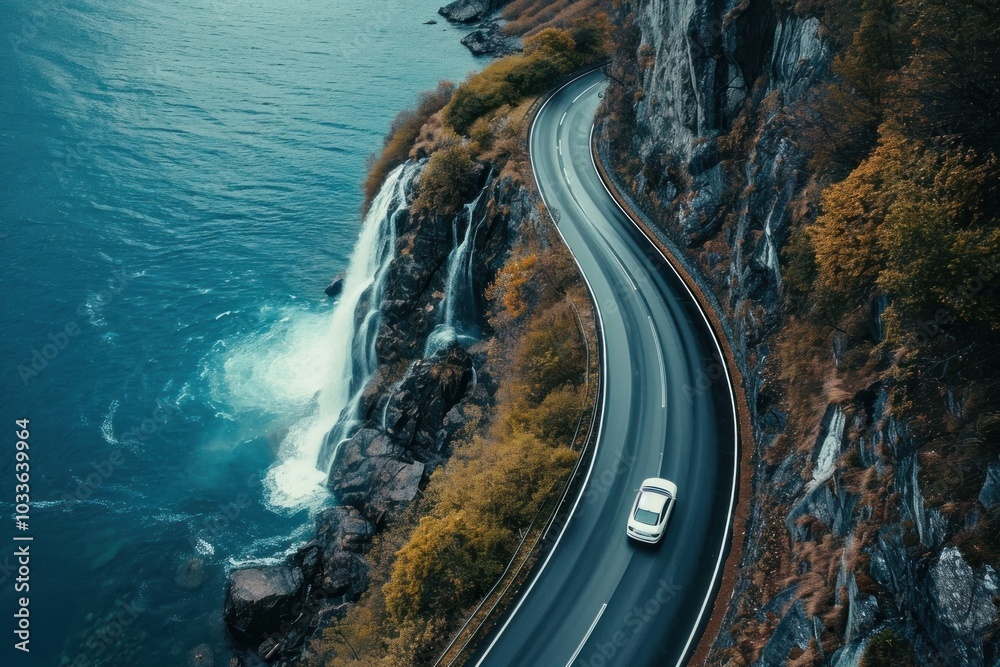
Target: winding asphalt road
[[599, 599]]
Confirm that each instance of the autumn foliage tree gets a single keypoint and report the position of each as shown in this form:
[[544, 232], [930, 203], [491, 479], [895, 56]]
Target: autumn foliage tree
[[916, 218]]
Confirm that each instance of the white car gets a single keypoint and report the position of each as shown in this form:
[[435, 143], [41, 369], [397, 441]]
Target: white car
[[651, 509]]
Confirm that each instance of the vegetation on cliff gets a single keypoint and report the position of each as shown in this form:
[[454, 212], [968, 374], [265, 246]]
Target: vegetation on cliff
[[904, 145], [898, 225], [434, 563]]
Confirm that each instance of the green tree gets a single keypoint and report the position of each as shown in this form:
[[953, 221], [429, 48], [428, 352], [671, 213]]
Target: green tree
[[935, 238], [444, 565], [951, 86], [555, 419], [590, 36], [843, 237], [402, 132]]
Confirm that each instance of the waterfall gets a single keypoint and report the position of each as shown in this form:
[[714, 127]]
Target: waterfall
[[457, 303], [299, 476]]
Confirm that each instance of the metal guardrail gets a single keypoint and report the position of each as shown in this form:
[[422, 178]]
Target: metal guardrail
[[529, 116]]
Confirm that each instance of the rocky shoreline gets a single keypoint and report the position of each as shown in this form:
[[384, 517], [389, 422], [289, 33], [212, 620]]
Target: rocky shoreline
[[409, 414], [488, 39]]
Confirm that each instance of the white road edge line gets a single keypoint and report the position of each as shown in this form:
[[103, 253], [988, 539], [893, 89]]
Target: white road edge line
[[559, 144], [604, 392], [732, 394], [663, 372], [561, 120], [587, 636]]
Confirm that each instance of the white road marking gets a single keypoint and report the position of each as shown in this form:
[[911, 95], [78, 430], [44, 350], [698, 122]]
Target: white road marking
[[583, 93], [565, 175], [561, 120], [560, 146], [659, 468], [587, 636], [663, 373]]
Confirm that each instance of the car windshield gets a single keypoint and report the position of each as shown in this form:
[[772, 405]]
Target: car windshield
[[646, 517]]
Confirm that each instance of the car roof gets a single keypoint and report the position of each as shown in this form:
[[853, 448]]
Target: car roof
[[652, 501]]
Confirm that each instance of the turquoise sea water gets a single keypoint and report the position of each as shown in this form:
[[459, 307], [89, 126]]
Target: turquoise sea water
[[179, 181]]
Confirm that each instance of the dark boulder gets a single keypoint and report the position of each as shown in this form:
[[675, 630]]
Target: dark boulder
[[191, 573], [344, 528], [344, 574], [259, 600], [477, 42], [367, 443], [491, 41], [376, 472], [470, 11], [336, 286], [333, 561]]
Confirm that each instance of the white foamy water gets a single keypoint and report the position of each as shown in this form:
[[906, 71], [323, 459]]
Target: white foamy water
[[108, 425], [280, 368], [299, 475]]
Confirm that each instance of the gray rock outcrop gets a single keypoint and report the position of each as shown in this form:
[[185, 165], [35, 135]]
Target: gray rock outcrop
[[490, 40], [259, 599]]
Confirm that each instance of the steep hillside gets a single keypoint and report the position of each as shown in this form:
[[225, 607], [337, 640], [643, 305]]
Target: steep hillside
[[826, 172]]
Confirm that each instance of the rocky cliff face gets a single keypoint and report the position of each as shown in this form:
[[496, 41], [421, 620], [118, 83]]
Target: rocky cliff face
[[431, 365], [704, 99]]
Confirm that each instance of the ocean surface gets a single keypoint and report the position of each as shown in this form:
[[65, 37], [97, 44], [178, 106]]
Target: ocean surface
[[179, 182]]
